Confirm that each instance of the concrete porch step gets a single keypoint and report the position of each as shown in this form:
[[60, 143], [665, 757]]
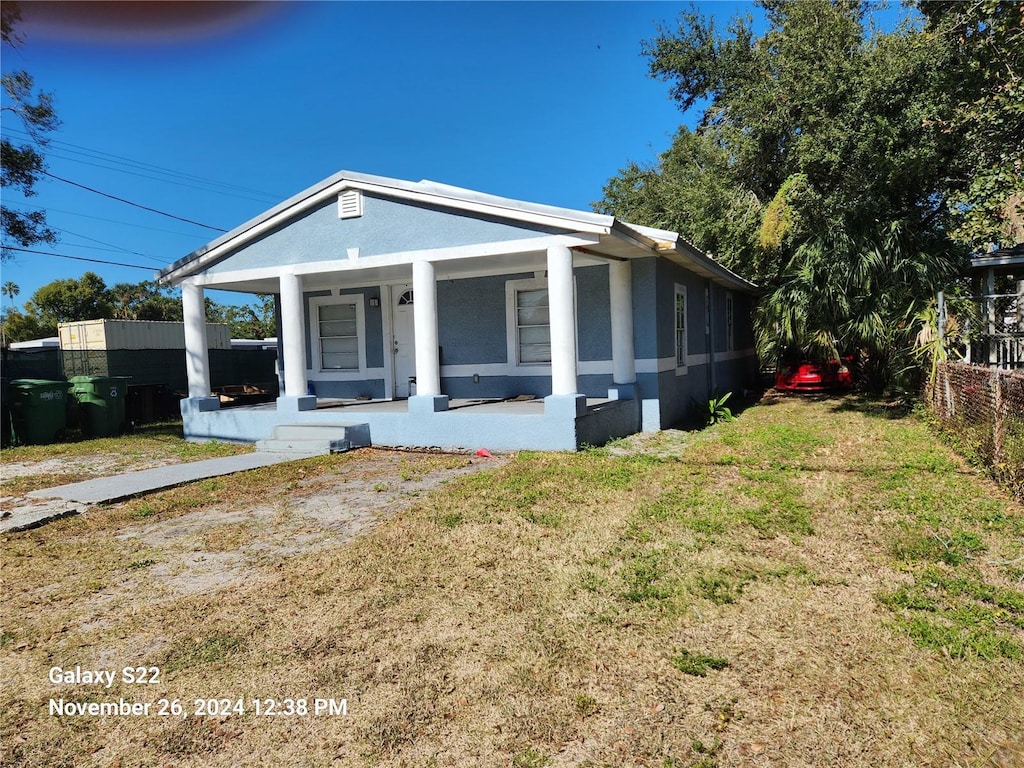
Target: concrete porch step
[[307, 447], [315, 438]]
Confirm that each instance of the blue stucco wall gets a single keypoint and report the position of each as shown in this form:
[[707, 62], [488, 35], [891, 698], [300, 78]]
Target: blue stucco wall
[[677, 394], [594, 322], [591, 385], [718, 318], [471, 319], [733, 374], [374, 327], [372, 388], [386, 226], [737, 376], [645, 308], [745, 304], [682, 397]]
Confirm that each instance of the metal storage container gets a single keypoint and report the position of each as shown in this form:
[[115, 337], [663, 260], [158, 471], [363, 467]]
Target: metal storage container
[[135, 334]]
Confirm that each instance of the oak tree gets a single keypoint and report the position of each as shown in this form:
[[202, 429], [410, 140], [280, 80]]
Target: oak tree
[[838, 166], [22, 162]]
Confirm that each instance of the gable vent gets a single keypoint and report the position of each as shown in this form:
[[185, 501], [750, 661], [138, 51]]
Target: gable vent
[[350, 204]]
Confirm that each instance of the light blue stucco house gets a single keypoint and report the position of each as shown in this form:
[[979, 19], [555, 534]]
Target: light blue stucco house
[[443, 317]]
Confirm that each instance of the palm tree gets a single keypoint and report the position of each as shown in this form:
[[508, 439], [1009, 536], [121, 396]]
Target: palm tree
[[10, 290], [857, 293]]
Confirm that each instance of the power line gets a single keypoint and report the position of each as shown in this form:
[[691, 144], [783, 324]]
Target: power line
[[115, 249], [140, 165], [76, 258], [92, 247], [156, 178], [112, 246], [100, 218], [129, 202]]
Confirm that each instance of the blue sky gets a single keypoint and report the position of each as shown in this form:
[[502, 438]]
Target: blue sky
[[538, 101]]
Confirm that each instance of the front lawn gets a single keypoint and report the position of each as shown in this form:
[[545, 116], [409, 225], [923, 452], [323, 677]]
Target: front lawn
[[817, 583]]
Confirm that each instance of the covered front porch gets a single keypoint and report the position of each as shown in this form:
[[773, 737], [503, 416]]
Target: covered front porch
[[386, 296]]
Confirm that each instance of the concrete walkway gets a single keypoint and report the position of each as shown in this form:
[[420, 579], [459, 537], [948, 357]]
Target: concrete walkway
[[47, 504]]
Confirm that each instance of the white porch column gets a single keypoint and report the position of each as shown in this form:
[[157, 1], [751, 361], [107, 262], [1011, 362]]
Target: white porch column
[[428, 366], [565, 403], [293, 338], [620, 288], [428, 398], [197, 354], [561, 307]]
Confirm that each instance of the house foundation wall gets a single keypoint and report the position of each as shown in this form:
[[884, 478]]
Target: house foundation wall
[[619, 418], [372, 389], [462, 429]]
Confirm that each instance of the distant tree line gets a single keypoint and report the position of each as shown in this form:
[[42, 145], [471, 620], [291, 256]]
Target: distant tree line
[[89, 298], [847, 171]]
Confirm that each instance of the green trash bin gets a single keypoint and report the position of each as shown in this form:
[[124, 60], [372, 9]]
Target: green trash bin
[[37, 410], [101, 402], [6, 430], [6, 433]]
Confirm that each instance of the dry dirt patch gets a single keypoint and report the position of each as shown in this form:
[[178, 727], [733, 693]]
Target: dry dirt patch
[[94, 465], [215, 547]]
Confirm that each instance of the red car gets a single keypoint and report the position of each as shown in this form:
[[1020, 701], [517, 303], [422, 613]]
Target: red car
[[814, 377]]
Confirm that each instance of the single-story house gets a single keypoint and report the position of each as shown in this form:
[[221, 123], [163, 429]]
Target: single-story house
[[440, 316]]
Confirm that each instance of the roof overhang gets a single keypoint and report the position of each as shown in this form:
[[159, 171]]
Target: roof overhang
[[696, 260], [1004, 257]]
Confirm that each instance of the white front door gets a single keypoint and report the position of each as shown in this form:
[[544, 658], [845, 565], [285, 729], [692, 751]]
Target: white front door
[[404, 347]]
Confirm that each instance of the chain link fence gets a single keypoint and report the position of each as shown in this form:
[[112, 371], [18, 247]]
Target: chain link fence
[[982, 411]]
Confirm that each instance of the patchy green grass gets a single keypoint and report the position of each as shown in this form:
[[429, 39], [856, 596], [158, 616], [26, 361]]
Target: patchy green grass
[[204, 651], [70, 462], [959, 613], [817, 583], [955, 548], [696, 664]]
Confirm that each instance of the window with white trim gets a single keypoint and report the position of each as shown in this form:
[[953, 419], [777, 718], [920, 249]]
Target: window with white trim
[[533, 327], [680, 325], [337, 332], [528, 323]]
